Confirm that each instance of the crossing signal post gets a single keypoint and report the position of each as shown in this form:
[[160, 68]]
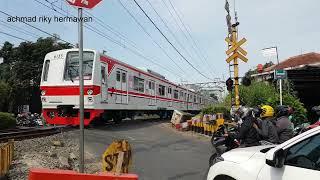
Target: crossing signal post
[[234, 53]]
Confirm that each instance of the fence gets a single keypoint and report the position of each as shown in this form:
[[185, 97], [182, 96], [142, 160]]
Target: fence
[[6, 156]]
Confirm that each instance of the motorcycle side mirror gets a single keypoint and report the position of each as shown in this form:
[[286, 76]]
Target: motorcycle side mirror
[[278, 159]]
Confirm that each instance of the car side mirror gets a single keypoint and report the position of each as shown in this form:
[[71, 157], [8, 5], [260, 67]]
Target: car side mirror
[[278, 159]]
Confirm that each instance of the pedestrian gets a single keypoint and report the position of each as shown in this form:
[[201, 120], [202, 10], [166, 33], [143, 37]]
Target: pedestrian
[[266, 126]]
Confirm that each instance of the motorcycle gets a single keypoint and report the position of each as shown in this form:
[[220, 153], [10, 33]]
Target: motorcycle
[[222, 143], [29, 120]]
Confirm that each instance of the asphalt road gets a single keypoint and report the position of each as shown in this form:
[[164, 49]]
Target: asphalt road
[[159, 152]]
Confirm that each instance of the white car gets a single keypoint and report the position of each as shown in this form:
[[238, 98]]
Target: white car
[[297, 158]]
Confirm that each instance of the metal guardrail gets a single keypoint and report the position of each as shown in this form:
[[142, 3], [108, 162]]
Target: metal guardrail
[[6, 156]]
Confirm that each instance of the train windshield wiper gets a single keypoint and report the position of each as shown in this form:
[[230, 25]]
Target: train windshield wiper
[[70, 74]]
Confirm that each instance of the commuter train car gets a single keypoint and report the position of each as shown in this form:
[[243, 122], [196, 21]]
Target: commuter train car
[[112, 89]]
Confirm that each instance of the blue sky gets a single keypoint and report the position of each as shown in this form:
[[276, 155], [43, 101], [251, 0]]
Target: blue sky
[[289, 24]]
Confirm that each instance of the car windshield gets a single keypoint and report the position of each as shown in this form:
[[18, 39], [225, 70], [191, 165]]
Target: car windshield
[[72, 66]]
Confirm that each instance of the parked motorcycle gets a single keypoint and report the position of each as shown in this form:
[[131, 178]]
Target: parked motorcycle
[[28, 120]]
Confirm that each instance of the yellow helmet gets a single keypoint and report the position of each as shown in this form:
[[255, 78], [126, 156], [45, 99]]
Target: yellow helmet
[[267, 111]]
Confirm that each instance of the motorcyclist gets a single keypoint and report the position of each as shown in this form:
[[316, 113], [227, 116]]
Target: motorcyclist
[[266, 127], [284, 128], [247, 135]]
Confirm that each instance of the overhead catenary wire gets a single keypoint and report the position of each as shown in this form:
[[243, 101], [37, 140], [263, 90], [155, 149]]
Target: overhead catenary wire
[[43, 31], [170, 41], [95, 30], [170, 31], [14, 36], [187, 27], [112, 30], [148, 34], [10, 26]]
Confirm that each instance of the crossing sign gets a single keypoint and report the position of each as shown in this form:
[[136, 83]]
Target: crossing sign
[[242, 51], [236, 46], [237, 50], [237, 55]]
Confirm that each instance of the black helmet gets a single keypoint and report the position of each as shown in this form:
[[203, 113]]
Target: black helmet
[[244, 111], [256, 111], [316, 109], [283, 110]]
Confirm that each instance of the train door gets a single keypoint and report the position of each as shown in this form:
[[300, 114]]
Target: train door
[[170, 96], [152, 92], [122, 87], [104, 86]]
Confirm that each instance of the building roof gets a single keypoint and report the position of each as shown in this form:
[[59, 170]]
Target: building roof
[[297, 62]]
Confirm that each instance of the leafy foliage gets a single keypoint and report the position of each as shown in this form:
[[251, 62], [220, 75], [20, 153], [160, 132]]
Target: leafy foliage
[[7, 120], [262, 93], [217, 108], [21, 72]]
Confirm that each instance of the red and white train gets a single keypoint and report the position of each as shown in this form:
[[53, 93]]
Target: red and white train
[[112, 89]]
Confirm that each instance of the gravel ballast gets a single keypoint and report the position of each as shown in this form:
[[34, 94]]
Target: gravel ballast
[[59, 151]]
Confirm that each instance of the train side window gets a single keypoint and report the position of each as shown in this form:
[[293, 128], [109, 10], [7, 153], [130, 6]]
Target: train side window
[[150, 87], [103, 74], [176, 94], [169, 90], [46, 70], [194, 98], [124, 77], [162, 90], [138, 84], [118, 76]]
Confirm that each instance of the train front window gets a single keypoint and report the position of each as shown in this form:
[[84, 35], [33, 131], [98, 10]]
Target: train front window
[[72, 66]]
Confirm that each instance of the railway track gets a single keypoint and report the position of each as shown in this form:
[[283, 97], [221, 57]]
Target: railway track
[[28, 133]]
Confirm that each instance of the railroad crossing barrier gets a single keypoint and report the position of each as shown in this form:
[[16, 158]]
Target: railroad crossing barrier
[[6, 156], [49, 174], [204, 125]]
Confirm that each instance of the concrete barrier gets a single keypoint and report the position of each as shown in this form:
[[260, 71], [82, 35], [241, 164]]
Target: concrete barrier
[[50, 174]]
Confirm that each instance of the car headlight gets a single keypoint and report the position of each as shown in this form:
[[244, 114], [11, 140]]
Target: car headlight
[[43, 92], [90, 92]]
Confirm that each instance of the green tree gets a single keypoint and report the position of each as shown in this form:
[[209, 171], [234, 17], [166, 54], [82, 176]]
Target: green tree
[[22, 68], [263, 93]]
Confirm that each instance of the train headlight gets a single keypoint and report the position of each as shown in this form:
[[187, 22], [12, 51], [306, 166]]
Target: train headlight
[[43, 92], [90, 92]]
